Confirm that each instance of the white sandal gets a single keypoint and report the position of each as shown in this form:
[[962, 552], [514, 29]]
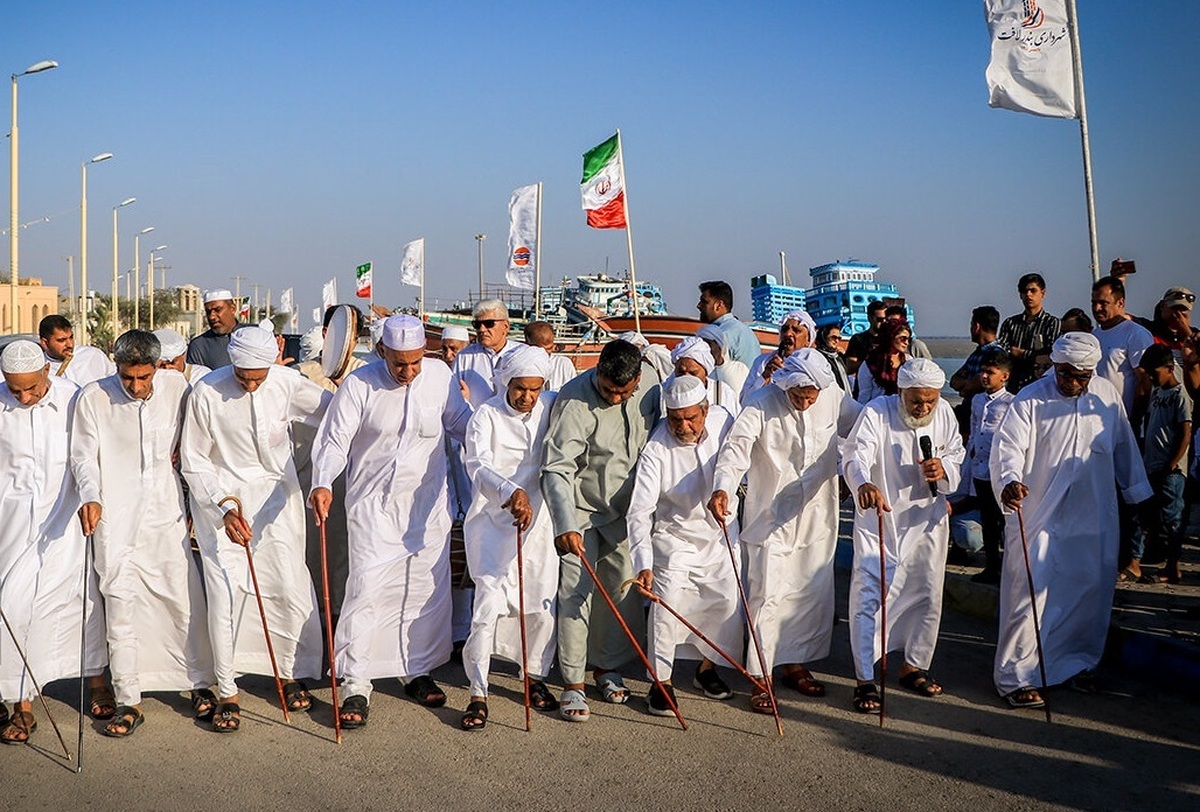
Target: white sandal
[[613, 688], [571, 703]]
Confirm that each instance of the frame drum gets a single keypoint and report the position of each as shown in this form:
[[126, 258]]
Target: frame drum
[[340, 340]]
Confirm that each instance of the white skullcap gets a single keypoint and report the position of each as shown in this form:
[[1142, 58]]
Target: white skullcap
[[218, 295], [172, 343], [635, 338], [920, 373], [22, 356], [1080, 350], [311, 344], [403, 333], [267, 325], [682, 391], [252, 348], [804, 367], [452, 332], [694, 348], [524, 361], [713, 333], [803, 318]]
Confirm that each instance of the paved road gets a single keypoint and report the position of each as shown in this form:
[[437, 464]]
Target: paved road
[[1133, 747]]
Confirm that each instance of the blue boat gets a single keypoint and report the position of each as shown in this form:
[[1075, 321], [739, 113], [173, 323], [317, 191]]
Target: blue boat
[[840, 294]]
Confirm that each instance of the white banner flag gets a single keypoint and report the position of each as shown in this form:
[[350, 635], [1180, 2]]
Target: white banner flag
[[318, 315], [522, 237], [329, 295], [1032, 68], [412, 266], [286, 305]]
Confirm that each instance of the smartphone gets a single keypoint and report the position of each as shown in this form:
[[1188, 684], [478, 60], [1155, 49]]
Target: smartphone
[[1123, 267]]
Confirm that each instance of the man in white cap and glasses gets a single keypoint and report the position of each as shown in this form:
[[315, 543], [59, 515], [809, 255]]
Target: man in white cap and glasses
[[41, 544], [237, 442], [692, 356], [386, 428], [1055, 457], [726, 369], [797, 330], [475, 364], [677, 547], [903, 458], [211, 348], [786, 441], [504, 457], [126, 431], [174, 355]]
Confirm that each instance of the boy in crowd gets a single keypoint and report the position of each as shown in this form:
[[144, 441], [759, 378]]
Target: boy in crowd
[[987, 410]]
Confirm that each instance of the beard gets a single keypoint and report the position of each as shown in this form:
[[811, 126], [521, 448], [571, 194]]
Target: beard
[[915, 422]]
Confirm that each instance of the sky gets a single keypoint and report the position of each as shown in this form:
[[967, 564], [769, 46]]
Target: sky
[[287, 142]]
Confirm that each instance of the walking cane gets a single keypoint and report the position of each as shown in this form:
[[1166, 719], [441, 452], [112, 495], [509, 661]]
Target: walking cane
[[337, 715], [882, 622], [1037, 629], [703, 638], [37, 687], [262, 613], [637, 647], [762, 661], [87, 549], [524, 642]]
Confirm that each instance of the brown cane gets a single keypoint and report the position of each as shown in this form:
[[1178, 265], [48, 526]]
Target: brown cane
[[524, 643], [36, 686], [261, 611], [882, 621], [337, 714], [1037, 629]]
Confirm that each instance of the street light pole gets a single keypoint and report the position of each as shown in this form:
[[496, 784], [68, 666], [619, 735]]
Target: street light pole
[[13, 165], [83, 280], [150, 284], [479, 238], [116, 298], [137, 276]]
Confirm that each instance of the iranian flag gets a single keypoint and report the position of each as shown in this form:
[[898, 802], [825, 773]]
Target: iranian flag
[[362, 280], [603, 185]]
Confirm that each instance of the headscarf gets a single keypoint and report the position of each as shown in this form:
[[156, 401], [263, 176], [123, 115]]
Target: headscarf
[[523, 361], [311, 344], [252, 348], [635, 338], [804, 367], [1080, 350], [801, 316], [172, 343], [694, 347], [920, 373]]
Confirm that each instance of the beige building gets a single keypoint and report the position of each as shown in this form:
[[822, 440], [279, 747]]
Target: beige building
[[191, 312], [35, 301]]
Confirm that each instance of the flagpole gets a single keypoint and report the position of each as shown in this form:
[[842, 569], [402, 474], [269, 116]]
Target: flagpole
[[1077, 62], [421, 311], [637, 319], [537, 261]]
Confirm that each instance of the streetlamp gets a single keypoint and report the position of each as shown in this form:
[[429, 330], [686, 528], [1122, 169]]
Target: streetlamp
[[479, 238], [116, 299], [83, 280], [137, 276], [150, 283], [13, 162]]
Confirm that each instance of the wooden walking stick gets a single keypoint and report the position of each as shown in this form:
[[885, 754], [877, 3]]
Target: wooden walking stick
[[762, 660], [632, 639], [882, 621], [524, 642], [653, 596], [87, 549], [1037, 629], [262, 613], [36, 686], [337, 714]]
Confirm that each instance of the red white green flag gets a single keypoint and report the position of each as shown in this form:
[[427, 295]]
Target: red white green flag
[[362, 281], [603, 185]]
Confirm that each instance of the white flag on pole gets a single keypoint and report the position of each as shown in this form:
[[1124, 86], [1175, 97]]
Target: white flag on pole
[[1032, 68], [329, 295], [318, 315], [412, 266], [285, 302], [522, 237]]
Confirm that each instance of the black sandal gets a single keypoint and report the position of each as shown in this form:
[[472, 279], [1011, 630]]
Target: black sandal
[[126, 720], [921, 684], [540, 698], [227, 717], [425, 691], [476, 716], [358, 705], [3, 714], [102, 704], [297, 697], [204, 704], [867, 699]]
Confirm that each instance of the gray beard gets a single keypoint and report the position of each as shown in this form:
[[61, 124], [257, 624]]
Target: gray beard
[[915, 422]]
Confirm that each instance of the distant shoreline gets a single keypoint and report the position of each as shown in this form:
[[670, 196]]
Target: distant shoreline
[[949, 346]]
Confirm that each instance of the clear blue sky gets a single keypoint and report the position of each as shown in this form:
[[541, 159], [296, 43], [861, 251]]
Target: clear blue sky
[[287, 142]]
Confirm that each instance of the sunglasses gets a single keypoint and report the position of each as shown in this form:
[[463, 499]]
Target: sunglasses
[[487, 323], [1190, 298]]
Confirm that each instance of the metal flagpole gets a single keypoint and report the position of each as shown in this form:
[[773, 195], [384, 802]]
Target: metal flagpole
[[1077, 61], [637, 319], [421, 313], [537, 260]]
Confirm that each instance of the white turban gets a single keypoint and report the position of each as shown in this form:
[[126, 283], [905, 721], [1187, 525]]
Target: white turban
[[311, 344], [267, 325], [376, 330], [1080, 350], [802, 317], [694, 348], [524, 361], [682, 391], [920, 373], [804, 367], [635, 338], [252, 348], [403, 333], [22, 356], [172, 343], [218, 295], [713, 333], [452, 332]]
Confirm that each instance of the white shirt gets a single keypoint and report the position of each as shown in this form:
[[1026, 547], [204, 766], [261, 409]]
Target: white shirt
[[87, 364], [476, 365], [1121, 349], [987, 411]]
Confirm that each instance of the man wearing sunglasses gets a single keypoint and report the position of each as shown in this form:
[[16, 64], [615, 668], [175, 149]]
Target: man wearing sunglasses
[[475, 365]]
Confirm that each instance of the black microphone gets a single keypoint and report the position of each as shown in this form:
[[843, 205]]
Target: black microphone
[[927, 453]]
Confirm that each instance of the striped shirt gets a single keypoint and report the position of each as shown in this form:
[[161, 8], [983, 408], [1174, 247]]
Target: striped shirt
[[1032, 334]]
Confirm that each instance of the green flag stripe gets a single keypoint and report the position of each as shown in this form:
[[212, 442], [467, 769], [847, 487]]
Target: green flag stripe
[[597, 157]]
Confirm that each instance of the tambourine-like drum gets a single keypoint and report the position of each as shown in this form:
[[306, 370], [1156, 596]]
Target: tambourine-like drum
[[340, 339]]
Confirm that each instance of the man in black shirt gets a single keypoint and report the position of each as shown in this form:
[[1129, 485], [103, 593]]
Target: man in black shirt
[[211, 348], [1028, 333]]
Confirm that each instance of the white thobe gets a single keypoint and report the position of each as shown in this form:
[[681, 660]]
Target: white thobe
[[562, 369], [1068, 452], [87, 364], [733, 373], [884, 451], [42, 547], [389, 439], [754, 378], [238, 443], [194, 372], [672, 534], [504, 454], [790, 516], [658, 359], [475, 365], [1121, 349], [154, 606]]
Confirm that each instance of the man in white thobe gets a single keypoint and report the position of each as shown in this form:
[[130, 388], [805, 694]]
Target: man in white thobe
[[796, 331], [893, 477], [237, 442], [1055, 457], [126, 432], [562, 369], [655, 357], [727, 370], [504, 457], [80, 365], [677, 547], [174, 355], [692, 356], [786, 442], [386, 428], [41, 545]]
